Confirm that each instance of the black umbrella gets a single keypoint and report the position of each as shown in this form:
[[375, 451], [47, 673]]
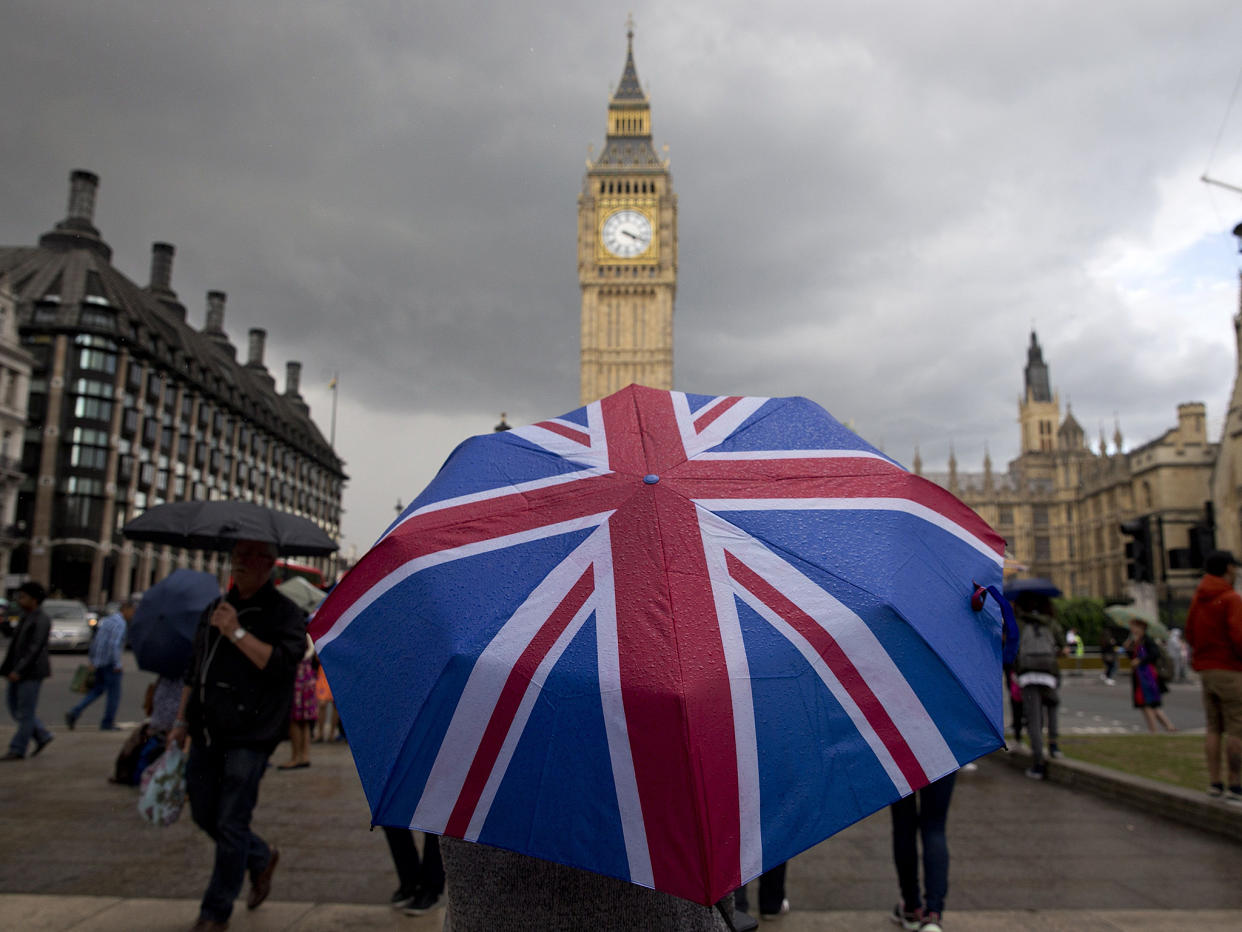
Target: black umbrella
[[220, 525], [162, 632]]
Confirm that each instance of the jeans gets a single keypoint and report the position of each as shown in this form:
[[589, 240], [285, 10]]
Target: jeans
[[923, 814], [107, 680], [413, 874], [23, 698], [223, 787], [1036, 700]]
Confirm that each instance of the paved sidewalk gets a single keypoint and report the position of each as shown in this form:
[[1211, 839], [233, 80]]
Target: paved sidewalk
[[1026, 855], [110, 914]]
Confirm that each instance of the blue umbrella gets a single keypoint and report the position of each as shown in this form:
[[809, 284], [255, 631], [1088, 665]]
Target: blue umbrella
[[162, 631], [671, 638], [1033, 586]]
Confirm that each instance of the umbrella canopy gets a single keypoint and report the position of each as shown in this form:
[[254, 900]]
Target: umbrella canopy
[[671, 638], [219, 525], [1121, 615], [1033, 586], [302, 593], [161, 633]]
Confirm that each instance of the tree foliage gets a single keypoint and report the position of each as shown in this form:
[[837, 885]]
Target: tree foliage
[[1084, 614]]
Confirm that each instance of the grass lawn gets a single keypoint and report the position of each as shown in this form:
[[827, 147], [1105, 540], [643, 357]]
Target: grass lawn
[[1176, 759]]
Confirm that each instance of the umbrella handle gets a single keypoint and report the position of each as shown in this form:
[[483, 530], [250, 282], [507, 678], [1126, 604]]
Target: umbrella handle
[[1011, 625]]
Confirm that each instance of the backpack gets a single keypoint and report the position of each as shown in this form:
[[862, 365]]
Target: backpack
[[1037, 649]]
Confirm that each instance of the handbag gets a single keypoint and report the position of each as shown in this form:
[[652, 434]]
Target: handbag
[[83, 679], [162, 796]]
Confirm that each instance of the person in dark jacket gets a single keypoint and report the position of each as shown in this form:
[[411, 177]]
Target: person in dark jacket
[[26, 666], [235, 707]]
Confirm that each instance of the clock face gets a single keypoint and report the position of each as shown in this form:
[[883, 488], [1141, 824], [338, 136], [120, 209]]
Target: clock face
[[627, 233]]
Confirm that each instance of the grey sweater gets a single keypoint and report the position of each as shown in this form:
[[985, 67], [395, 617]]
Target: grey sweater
[[493, 890]]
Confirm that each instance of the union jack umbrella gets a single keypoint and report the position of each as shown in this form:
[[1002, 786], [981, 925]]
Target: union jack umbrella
[[671, 638]]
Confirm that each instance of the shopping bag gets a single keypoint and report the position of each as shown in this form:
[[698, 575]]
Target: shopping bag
[[162, 794], [83, 679]]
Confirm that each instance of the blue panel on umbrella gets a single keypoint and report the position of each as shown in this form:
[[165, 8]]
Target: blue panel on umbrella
[[408, 638], [696, 402], [791, 706], [892, 556], [577, 416], [793, 424], [556, 787], [484, 463]]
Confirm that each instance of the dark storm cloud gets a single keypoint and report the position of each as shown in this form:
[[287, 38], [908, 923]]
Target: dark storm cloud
[[877, 201]]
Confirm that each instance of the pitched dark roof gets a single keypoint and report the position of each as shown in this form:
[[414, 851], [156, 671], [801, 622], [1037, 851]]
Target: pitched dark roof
[[68, 284], [629, 90]]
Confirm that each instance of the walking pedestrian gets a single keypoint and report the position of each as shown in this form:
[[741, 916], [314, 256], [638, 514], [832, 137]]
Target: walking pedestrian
[[304, 711], [922, 816], [1214, 633], [772, 900], [26, 665], [1146, 685], [1108, 654], [104, 658], [235, 704], [1040, 642], [421, 879]]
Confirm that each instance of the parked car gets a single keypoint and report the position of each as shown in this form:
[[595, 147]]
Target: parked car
[[72, 627]]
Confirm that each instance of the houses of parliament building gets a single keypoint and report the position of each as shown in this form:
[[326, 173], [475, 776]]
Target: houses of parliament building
[[1061, 504]]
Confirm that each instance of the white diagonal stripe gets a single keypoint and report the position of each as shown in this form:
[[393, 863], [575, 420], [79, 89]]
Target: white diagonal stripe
[[406, 570], [483, 687], [633, 829], [914, 509]]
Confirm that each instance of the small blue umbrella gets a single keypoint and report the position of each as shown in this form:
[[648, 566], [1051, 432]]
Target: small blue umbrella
[[162, 631], [1033, 586]]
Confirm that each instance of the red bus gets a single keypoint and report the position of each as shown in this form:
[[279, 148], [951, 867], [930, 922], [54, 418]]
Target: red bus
[[287, 570]]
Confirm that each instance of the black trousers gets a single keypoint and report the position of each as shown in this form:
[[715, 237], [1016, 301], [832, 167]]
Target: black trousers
[[414, 873]]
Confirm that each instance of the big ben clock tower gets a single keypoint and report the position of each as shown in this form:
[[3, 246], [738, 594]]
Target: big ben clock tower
[[627, 251]]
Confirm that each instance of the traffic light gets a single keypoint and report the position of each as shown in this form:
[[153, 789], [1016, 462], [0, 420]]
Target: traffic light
[[1203, 537], [1138, 550]]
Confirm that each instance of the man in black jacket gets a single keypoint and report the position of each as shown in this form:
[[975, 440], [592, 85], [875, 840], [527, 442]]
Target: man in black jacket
[[26, 666], [235, 706]]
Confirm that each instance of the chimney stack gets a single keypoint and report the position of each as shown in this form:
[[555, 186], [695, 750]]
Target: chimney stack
[[257, 337], [293, 378], [82, 188], [215, 313], [161, 266]]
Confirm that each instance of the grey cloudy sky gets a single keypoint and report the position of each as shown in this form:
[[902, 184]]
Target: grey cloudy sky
[[877, 200]]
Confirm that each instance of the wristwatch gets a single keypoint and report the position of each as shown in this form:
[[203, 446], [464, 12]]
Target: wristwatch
[[238, 633]]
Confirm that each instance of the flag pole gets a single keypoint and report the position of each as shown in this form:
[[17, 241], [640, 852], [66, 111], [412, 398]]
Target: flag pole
[[332, 434]]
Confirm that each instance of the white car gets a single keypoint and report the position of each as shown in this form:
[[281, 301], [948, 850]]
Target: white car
[[71, 625]]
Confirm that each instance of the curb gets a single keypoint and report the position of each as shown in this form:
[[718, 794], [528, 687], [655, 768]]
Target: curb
[[1170, 802]]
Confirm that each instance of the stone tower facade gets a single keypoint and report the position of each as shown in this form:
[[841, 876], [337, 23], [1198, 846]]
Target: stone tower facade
[[627, 251]]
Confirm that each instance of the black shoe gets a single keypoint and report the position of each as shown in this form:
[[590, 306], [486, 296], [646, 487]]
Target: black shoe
[[40, 745], [13, 755], [423, 902], [71, 720], [261, 885], [403, 898]]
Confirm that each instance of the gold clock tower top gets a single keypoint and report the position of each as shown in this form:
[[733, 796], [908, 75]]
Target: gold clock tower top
[[627, 250]]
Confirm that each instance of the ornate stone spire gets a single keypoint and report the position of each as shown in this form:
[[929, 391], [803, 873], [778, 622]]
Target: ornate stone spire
[[917, 465], [1037, 384], [988, 483]]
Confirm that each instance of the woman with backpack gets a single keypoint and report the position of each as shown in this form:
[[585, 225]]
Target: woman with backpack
[[1146, 684], [1040, 643]]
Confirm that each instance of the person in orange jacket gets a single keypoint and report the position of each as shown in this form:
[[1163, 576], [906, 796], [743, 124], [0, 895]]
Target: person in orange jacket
[[1214, 633]]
